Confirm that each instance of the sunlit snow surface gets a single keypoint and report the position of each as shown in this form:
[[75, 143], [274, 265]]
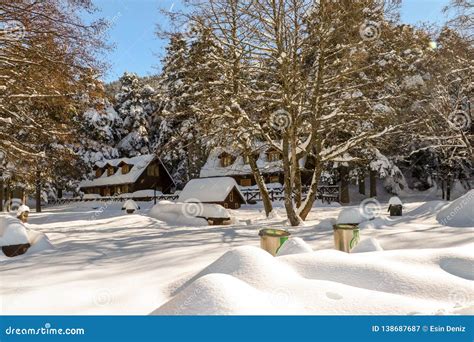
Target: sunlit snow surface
[[107, 262]]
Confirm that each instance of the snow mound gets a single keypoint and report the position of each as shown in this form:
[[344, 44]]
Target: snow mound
[[395, 200], [247, 280], [39, 242], [367, 245], [130, 205], [22, 209], [218, 293], [194, 214], [351, 215], [294, 245], [12, 232], [459, 213]]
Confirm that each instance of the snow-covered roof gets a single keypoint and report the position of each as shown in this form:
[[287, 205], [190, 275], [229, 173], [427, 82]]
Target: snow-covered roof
[[145, 158], [130, 205], [209, 189], [213, 167], [139, 163]]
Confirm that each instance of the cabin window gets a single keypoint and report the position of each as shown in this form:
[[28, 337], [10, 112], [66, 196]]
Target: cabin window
[[231, 196], [247, 158], [110, 171], [98, 173], [274, 179], [125, 169], [236, 205], [245, 182], [124, 189], [153, 170], [226, 205], [226, 161], [273, 156]]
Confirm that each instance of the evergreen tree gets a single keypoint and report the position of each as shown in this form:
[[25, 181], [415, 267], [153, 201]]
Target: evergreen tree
[[135, 107]]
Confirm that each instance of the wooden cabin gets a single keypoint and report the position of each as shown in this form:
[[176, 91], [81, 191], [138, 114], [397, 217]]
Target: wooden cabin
[[217, 190], [127, 175], [221, 163]]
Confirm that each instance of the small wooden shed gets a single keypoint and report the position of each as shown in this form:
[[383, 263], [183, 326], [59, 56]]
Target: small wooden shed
[[215, 190]]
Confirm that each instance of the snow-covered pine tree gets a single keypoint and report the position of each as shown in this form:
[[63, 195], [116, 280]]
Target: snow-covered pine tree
[[447, 130], [172, 108], [135, 107]]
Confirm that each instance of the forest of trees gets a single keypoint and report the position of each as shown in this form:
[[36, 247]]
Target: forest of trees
[[342, 83]]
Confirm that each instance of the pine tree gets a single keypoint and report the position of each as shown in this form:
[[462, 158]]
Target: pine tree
[[135, 107]]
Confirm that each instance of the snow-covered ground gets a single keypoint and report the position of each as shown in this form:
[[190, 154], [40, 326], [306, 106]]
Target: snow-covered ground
[[108, 262]]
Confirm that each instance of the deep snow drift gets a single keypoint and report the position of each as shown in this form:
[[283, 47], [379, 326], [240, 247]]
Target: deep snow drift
[[459, 213], [248, 280], [116, 263]]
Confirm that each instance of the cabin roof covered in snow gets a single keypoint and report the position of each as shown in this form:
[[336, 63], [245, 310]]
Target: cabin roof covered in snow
[[213, 167], [140, 163], [209, 189]]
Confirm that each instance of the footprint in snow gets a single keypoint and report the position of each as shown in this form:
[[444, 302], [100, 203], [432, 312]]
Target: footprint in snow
[[333, 295]]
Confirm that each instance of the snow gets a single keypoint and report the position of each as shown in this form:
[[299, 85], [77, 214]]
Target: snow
[[39, 242], [208, 189], [367, 245], [22, 209], [100, 255], [130, 205], [91, 196], [248, 280], [193, 214], [395, 200], [459, 213], [12, 232], [351, 216], [139, 163], [294, 245]]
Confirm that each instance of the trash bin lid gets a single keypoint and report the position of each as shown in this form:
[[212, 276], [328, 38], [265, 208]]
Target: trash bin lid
[[273, 232], [346, 226]]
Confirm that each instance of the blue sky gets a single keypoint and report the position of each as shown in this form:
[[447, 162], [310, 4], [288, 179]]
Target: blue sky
[[137, 49]]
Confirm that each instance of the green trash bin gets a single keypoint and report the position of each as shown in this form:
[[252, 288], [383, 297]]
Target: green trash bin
[[272, 239], [346, 236]]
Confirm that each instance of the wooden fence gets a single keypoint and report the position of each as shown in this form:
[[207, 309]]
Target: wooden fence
[[326, 193]]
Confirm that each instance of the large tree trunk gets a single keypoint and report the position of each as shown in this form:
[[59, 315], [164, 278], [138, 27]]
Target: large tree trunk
[[2, 189], [362, 186], [295, 173], [290, 208], [38, 191], [443, 193], [312, 193], [8, 197], [344, 173], [448, 189], [373, 183], [262, 187]]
